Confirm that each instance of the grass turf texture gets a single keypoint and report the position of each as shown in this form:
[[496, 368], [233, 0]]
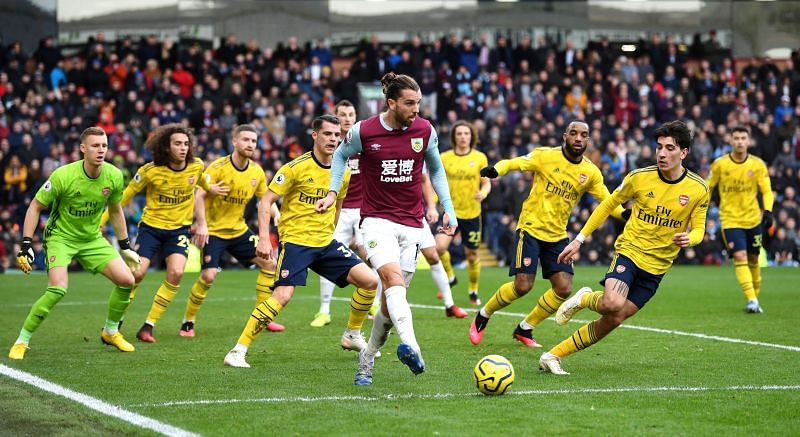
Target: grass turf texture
[[302, 381]]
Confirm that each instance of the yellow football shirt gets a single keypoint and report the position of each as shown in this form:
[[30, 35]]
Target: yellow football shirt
[[169, 202], [661, 209], [225, 214], [739, 184], [463, 176], [301, 183], [557, 185]]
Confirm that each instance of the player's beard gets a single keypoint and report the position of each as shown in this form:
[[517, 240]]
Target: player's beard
[[571, 153]]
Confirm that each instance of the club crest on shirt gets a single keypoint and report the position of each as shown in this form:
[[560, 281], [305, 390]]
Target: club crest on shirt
[[253, 182], [621, 268], [191, 180], [372, 244], [416, 144], [472, 163], [284, 273], [683, 199], [52, 258], [106, 190], [582, 178], [527, 261], [750, 173]]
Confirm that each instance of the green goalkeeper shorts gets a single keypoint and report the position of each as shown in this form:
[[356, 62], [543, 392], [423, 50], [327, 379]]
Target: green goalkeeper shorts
[[93, 255]]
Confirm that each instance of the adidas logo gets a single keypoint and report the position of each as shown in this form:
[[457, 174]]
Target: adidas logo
[[78, 193], [651, 195], [557, 170]]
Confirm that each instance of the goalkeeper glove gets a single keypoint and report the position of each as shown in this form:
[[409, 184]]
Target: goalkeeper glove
[[25, 255], [130, 257], [489, 172]]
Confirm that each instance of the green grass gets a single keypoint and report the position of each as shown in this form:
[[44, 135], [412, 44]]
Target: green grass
[[302, 382]]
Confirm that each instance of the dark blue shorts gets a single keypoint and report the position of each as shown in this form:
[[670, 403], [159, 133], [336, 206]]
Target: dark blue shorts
[[470, 232], [530, 250], [243, 248], [642, 285], [737, 239], [151, 240], [333, 261]]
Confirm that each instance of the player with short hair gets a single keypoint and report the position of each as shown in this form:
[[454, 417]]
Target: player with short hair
[[393, 146], [561, 176], [77, 194], [740, 177], [221, 227], [306, 237], [170, 181], [668, 200], [463, 164]]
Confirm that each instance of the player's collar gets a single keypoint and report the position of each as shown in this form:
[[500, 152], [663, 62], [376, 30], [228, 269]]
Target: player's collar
[[314, 157], [730, 155], [386, 125], [246, 164], [564, 154], [665, 180]]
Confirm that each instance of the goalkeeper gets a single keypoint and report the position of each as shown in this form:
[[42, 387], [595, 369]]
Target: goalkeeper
[[78, 194]]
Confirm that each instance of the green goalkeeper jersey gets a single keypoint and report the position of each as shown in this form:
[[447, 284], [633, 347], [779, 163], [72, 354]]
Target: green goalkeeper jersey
[[77, 201]]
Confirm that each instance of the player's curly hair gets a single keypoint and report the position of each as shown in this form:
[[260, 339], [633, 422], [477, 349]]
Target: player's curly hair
[[676, 130], [393, 84], [473, 135], [158, 143]]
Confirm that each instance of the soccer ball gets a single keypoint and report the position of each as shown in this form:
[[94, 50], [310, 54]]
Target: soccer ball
[[493, 375]]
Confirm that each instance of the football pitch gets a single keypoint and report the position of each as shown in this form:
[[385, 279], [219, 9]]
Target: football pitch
[[690, 363]]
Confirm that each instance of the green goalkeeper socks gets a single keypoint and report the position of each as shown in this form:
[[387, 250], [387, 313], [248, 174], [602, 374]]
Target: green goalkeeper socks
[[39, 311]]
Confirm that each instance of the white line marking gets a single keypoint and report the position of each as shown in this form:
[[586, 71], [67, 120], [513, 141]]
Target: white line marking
[[95, 404], [390, 397], [502, 313]]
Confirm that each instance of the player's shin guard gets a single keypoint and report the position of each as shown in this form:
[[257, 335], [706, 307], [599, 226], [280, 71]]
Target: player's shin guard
[[360, 303], [474, 274], [447, 264], [745, 279], [166, 292], [41, 308], [439, 276], [400, 313], [325, 295], [546, 306], [264, 282], [380, 332], [501, 298], [196, 298], [118, 302], [755, 273], [582, 338], [263, 313]]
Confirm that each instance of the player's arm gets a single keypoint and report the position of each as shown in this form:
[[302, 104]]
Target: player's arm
[[350, 146], [130, 191], [484, 190], [526, 163], [767, 199], [200, 238], [599, 190], [429, 196], [264, 247], [697, 222], [600, 214], [713, 177], [117, 218], [25, 256], [439, 182]]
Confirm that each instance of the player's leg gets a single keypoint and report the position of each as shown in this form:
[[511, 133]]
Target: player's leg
[[428, 248], [471, 235], [524, 271], [753, 251], [58, 258], [345, 231], [209, 266], [366, 282], [442, 245], [118, 272], [736, 243], [264, 282], [560, 275]]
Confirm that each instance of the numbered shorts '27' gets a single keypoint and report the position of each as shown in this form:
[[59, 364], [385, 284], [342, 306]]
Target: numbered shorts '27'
[[243, 248], [333, 261], [151, 240]]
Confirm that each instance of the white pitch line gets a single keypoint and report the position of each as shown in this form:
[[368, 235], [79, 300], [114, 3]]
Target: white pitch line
[[95, 404], [390, 397]]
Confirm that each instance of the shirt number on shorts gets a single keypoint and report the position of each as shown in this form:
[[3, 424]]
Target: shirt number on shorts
[[183, 241], [345, 251], [474, 237], [757, 240], [254, 240]]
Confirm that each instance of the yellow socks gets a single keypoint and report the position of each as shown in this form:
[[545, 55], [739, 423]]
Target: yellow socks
[[581, 339], [196, 298], [263, 313], [501, 298], [264, 282], [447, 264], [591, 300], [745, 279], [360, 303], [166, 292], [547, 305], [755, 273], [474, 274]]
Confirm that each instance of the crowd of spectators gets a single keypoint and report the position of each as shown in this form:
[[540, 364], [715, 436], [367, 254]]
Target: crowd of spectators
[[519, 96]]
